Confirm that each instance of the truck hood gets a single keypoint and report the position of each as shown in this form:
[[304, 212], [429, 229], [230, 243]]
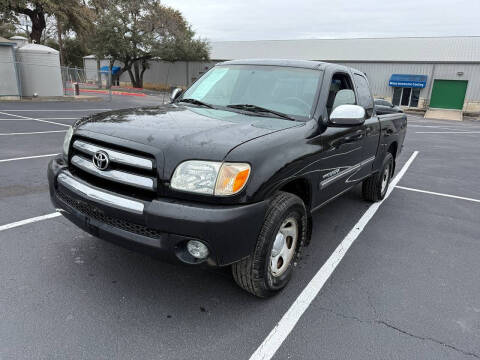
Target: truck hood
[[177, 133]]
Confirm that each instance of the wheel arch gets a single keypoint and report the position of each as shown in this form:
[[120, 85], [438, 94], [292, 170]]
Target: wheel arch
[[300, 187], [393, 149]]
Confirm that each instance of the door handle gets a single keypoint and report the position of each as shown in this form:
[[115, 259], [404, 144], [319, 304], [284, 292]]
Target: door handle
[[357, 135]]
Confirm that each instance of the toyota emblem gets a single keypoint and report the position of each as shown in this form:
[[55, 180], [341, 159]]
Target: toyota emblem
[[100, 160]]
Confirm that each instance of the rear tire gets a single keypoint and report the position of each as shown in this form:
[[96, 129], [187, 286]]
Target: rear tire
[[375, 187], [269, 268]]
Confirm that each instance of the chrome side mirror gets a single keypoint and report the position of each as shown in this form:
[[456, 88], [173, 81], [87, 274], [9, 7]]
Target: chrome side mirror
[[176, 92], [348, 115]]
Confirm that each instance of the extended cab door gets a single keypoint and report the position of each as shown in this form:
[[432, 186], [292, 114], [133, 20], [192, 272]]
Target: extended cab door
[[342, 146], [371, 125]]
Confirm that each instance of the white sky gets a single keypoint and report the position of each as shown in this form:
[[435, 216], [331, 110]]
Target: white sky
[[300, 19]]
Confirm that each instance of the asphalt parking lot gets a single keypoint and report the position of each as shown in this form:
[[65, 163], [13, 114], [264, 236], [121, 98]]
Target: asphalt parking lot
[[408, 287]]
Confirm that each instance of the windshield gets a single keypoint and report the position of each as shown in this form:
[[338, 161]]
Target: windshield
[[286, 90]]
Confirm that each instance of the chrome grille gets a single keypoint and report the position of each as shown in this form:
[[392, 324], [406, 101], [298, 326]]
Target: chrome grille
[[126, 169], [114, 155]]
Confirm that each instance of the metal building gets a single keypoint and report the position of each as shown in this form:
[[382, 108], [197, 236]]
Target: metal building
[[39, 71], [160, 74], [440, 72], [9, 81]]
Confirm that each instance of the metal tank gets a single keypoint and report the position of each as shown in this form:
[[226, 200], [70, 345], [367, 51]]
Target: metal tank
[[39, 70]]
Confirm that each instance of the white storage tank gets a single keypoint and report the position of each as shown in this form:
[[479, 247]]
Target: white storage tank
[[19, 40], [39, 70]]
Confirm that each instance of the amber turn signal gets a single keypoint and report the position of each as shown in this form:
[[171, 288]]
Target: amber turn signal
[[232, 178]]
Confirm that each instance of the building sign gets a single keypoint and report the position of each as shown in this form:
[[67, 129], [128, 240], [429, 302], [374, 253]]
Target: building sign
[[408, 81]]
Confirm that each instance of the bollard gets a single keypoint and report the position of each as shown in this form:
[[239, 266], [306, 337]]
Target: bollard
[[76, 89]]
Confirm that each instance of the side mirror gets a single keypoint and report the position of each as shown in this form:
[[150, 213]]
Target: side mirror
[[344, 97], [348, 115], [176, 92]]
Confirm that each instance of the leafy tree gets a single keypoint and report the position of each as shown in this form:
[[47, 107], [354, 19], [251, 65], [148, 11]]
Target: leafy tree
[[7, 29], [75, 49], [72, 12], [136, 31]]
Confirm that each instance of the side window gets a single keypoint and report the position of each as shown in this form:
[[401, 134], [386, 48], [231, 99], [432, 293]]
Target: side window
[[363, 93], [340, 81]]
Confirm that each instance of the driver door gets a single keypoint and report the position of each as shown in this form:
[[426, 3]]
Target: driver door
[[342, 145]]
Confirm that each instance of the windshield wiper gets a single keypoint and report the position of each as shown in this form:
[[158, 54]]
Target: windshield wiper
[[259, 109], [196, 102]]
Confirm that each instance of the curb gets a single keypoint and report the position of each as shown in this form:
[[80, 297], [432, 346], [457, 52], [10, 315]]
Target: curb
[[55, 98]]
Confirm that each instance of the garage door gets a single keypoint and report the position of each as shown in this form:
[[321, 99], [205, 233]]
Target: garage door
[[448, 94]]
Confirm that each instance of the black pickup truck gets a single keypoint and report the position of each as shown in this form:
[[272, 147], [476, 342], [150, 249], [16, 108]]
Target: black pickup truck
[[230, 172]]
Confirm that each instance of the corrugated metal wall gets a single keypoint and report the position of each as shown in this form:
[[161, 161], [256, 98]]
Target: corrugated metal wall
[[179, 73], [184, 73], [471, 72], [8, 73], [379, 75]]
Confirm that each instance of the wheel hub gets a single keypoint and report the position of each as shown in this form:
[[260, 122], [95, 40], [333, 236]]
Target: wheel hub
[[385, 178], [284, 246]]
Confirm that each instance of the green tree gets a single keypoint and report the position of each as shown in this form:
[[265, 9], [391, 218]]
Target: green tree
[[7, 29], [75, 13], [75, 49], [136, 31]]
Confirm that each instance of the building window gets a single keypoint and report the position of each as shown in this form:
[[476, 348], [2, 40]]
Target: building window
[[406, 96], [414, 98], [397, 94]]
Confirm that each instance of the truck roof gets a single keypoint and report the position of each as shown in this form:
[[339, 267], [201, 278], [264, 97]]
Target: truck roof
[[278, 62], [306, 64]]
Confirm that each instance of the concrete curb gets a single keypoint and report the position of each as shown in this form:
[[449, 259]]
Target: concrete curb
[[54, 98]]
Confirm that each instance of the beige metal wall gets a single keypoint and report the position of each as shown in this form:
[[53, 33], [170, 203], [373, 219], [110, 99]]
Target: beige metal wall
[[379, 75], [167, 74], [160, 74], [183, 73]]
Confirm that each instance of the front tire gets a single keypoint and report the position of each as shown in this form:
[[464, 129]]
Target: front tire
[[375, 187], [269, 268]]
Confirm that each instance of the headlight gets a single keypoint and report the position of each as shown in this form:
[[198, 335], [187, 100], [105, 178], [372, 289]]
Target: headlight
[[210, 177], [66, 142]]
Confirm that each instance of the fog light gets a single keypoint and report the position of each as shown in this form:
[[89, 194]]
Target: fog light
[[197, 249]]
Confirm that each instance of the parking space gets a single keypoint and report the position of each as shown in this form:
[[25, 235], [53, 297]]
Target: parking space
[[406, 289]]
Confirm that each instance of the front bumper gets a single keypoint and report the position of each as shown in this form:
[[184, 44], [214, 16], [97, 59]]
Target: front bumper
[[161, 226]]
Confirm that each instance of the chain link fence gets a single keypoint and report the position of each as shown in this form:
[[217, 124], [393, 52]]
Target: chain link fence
[[76, 82]]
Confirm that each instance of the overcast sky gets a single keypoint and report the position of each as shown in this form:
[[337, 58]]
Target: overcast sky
[[300, 19]]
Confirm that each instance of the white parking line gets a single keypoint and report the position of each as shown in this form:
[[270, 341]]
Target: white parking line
[[29, 221], [30, 118], [27, 157], [286, 324], [55, 110], [449, 128], [447, 132], [33, 133], [41, 118], [436, 193]]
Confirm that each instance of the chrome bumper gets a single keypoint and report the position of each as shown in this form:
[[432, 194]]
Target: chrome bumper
[[99, 196]]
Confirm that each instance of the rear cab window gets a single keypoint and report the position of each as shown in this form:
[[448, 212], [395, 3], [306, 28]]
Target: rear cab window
[[364, 96]]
